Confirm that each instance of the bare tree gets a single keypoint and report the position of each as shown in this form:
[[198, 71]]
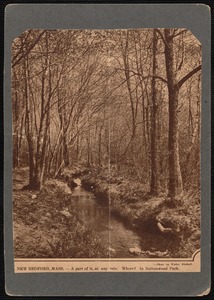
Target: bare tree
[[175, 177]]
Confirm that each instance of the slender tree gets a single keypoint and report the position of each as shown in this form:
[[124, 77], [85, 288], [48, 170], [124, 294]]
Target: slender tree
[[175, 188], [154, 119]]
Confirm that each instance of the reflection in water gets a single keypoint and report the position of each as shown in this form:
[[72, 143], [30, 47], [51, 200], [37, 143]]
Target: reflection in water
[[98, 217]]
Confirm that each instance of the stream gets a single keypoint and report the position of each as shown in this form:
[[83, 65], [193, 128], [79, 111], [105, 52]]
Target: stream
[[112, 232]]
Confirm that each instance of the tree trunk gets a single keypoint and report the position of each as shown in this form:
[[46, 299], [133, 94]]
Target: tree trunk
[[28, 128], [175, 185], [38, 178], [16, 128], [195, 132], [65, 151], [154, 188], [99, 147]]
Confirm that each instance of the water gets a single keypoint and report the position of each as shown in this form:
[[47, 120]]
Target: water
[[112, 232]]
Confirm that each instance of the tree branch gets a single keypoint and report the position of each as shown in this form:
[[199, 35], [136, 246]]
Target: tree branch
[[28, 50], [161, 35], [186, 77], [158, 77], [174, 35], [144, 77]]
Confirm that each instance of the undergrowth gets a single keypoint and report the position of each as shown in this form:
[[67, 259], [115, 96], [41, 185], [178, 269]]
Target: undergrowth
[[42, 231], [131, 201]]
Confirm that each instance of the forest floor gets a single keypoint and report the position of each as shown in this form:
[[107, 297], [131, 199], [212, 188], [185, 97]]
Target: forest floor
[[43, 227]]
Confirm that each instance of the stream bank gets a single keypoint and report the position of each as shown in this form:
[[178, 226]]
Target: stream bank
[[59, 221], [161, 227], [44, 227]]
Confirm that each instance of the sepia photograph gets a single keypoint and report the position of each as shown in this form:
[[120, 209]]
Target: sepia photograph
[[106, 145]]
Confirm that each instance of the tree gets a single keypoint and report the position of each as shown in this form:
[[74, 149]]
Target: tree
[[175, 188], [118, 97], [154, 123]]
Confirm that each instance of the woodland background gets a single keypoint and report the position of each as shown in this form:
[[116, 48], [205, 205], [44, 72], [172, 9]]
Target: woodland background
[[131, 97], [125, 101]]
